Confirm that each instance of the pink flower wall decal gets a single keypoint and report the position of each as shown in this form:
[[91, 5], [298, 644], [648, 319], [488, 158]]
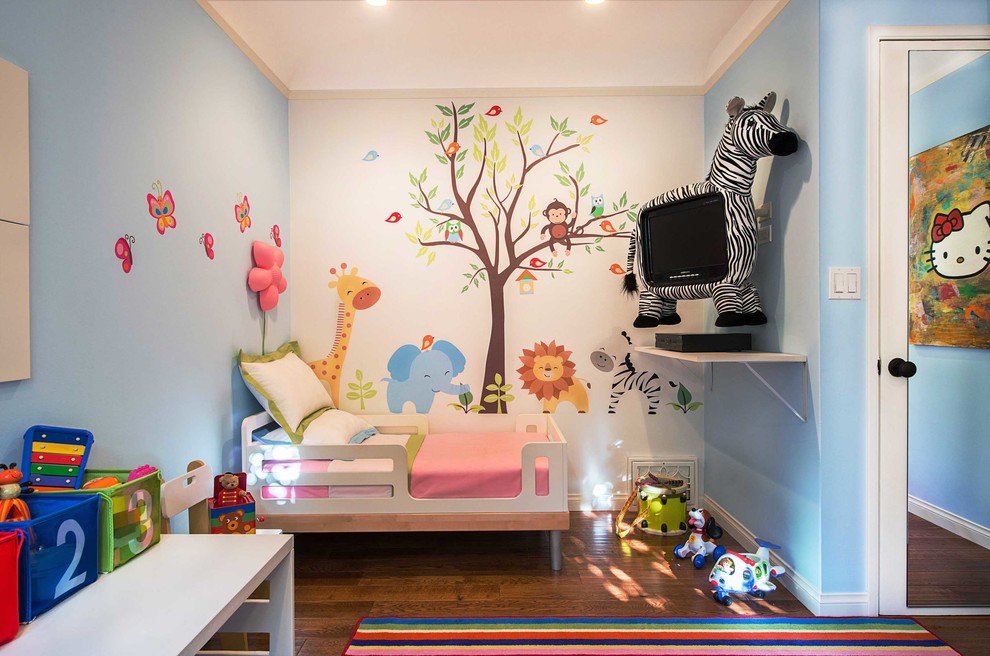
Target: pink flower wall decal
[[266, 277]]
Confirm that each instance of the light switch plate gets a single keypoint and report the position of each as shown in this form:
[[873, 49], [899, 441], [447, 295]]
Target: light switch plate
[[845, 283]]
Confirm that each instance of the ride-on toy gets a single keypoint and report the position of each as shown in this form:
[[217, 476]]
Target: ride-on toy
[[744, 573], [700, 543]]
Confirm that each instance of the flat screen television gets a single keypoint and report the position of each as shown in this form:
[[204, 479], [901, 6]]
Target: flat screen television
[[684, 242]]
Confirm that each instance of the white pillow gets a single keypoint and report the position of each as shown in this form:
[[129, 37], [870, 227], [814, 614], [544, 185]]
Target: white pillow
[[338, 427], [285, 386]]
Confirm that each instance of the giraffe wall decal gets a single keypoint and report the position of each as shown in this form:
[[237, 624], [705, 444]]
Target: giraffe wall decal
[[355, 293]]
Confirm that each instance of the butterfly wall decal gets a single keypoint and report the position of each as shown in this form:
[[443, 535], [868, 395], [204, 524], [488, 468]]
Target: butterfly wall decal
[[122, 249], [206, 239], [242, 212], [161, 207]]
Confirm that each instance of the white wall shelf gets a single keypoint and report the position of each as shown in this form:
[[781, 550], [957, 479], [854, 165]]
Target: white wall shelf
[[747, 359]]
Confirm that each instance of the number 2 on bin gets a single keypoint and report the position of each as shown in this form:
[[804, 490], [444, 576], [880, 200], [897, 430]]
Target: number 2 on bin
[[69, 582]]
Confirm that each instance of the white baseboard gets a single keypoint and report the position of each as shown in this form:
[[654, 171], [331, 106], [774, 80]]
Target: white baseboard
[[578, 503], [951, 522], [819, 603]]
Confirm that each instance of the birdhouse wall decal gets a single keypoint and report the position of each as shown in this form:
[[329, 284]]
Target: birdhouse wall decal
[[526, 282]]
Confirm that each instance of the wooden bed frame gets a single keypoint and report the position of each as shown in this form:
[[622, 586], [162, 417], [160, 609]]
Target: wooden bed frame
[[402, 512]]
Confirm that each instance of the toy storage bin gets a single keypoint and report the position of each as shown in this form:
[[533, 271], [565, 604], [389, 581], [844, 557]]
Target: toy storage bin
[[59, 555], [130, 515], [10, 548]]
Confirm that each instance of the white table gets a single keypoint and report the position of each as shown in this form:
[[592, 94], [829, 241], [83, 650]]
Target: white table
[[172, 599]]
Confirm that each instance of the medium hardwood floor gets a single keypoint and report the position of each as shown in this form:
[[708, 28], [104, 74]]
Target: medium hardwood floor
[[945, 569], [341, 578]]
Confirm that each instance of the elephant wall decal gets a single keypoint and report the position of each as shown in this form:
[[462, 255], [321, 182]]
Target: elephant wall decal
[[419, 373]]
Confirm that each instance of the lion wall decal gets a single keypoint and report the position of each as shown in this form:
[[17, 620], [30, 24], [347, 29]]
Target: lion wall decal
[[548, 374]]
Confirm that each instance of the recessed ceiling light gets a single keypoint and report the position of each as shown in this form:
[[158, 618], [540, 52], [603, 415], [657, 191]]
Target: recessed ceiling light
[[377, 3], [591, 2]]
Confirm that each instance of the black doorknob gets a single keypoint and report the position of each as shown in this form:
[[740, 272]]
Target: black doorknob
[[902, 368]]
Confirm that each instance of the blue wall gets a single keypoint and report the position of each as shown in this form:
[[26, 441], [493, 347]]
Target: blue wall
[[761, 462], [803, 487], [123, 93], [844, 100], [946, 436]]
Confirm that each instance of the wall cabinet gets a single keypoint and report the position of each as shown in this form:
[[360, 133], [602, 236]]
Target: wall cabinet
[[15, 219]]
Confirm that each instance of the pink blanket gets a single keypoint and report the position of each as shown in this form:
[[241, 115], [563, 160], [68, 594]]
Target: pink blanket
[[474, 466], [448, 466]]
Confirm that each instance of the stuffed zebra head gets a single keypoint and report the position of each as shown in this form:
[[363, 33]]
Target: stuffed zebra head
[[755, 132]]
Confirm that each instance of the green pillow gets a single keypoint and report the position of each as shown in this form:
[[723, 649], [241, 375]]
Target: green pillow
[[286, 387]]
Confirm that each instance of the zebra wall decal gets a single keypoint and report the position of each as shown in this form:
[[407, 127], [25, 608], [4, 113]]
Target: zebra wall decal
[[751, 133], [627, 378]]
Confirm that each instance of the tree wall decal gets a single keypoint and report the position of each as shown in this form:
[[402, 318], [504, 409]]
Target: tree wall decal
[[482, 209]]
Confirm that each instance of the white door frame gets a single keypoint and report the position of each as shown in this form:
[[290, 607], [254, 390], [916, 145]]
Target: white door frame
[[887, 312]]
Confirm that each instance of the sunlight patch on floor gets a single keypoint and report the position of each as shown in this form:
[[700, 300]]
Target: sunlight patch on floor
[[664, 568], [616, 592]]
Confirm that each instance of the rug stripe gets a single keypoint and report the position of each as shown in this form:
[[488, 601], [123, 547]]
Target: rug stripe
[[642, 636], [387, 636]]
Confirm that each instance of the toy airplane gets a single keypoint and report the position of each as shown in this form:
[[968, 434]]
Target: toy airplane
[[744, 573]]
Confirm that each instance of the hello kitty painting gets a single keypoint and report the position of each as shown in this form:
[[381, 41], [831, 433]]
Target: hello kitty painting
[[961, 242], [950, 243]]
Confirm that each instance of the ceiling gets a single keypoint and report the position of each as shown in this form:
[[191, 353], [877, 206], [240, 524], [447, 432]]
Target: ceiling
[[348, 47]]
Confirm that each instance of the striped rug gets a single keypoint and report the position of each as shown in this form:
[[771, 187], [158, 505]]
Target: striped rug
[[641, 636]]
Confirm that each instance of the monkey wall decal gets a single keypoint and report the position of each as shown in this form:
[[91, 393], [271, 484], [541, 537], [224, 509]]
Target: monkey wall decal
[[560, 226]]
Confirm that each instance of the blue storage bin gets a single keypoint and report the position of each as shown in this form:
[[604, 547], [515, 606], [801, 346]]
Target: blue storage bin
[[60, 555]]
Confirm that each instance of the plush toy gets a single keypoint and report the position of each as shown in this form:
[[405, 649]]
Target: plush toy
[[752, 132], [700, 543], [12, 508], [230, 492], [744, 573]]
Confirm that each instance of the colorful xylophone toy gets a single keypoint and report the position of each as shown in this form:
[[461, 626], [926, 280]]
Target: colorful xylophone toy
[[54, 457]]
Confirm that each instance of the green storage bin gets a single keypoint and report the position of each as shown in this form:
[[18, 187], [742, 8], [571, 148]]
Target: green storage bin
[[130, 515]]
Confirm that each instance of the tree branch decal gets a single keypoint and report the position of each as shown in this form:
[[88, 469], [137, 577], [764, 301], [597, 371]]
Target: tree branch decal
[[482, 211]]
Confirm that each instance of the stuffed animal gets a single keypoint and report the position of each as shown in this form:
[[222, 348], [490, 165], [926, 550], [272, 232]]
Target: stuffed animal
[[700, 544], [752, 132], [13, 508], [230, 492]]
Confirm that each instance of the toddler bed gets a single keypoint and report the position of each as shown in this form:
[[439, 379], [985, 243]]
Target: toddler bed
[[407, 479]]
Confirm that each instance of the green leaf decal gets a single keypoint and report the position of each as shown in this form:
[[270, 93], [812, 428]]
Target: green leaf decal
[[464, 109], [445, 110]]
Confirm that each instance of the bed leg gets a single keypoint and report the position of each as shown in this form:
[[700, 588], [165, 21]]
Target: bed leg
[[555, 557]]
